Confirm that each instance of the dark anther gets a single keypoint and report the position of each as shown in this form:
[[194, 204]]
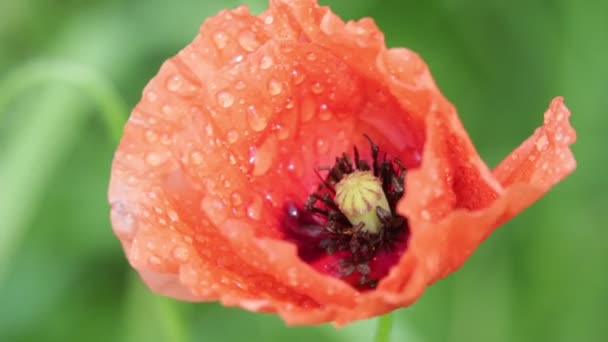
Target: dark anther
[[363, 269], [357, 160], [331, 231], [375, 150], [384, 215]]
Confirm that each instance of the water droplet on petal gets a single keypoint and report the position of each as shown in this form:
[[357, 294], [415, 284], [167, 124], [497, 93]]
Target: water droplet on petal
[[220, 39], [215, 209], [154, 260], [268, 20], [255, 120], [263, 156], [282, 132], [274, 87], [294, 166], [541, 143], [248, 41], [290, 104], [173, 215], [151, 96], [311, 56], [321, 146], [254, 210], [236, 199], [298, 76], [151, 136], [196, 158], [308, 108], [167, 110], [324, 113], [232, 136], [155, 159], [266, 62], [317, 88], [225, 99], [174, 83], [181, 253], [240, 85]]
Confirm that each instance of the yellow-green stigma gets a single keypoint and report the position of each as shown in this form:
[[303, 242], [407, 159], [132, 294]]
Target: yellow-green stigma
[[359, 195]]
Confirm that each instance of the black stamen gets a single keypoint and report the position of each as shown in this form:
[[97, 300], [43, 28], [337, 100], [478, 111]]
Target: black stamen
[[375, 149], [331, 230]]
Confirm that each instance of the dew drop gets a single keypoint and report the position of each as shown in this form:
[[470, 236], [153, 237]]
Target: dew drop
[[266, 62], [232, 159], [151, 136], [215, 209], [255, 120], [225, 99], [282, 132], [274, 87], [294, 166], [248, 41], [173, 215], [308, 108], [317, 88], [209, 130], [268, 20], [311, 56], [174, 83], [154, 159], [321, 146], [324, 113], [167, 110], [240, 85], [541, 143], [151, 96], [181, 253], [298, 76], [165, 139], [154, 260], [263, 156], [220, 39], [254, 210], [290, 104], [232, 136], [196, 158], [236, 199]]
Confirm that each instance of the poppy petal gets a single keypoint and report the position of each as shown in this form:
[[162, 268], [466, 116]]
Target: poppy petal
[[231, 128]]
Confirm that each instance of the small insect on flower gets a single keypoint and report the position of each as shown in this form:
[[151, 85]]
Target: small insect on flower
[[290, 163]]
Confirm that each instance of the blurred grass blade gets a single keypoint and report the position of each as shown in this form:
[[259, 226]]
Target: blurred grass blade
[[95, 85], [21, 172], [152, 318]]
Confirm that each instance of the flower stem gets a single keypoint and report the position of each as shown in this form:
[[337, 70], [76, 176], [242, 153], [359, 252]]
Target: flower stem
[[385, 325]]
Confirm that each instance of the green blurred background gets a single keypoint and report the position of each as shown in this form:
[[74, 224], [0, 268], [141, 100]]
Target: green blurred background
[[63, 276]]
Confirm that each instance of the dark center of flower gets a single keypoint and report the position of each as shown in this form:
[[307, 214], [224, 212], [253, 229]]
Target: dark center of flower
[[349, 227]]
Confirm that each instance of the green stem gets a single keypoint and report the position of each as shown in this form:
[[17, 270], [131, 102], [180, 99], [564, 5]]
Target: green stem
[[385, 325]]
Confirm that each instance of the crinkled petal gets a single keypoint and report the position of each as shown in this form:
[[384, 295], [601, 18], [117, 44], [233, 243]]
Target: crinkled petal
[[231, 128]]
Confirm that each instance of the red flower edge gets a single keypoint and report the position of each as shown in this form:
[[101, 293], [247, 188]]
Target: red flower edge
[[198, 220]]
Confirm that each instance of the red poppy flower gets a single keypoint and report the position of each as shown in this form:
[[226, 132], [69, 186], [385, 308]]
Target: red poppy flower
[[217, 191]]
